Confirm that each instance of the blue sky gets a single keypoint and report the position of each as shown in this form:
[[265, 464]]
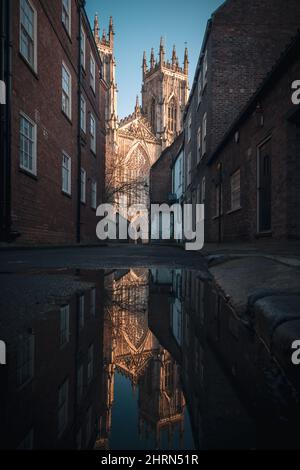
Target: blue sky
[[139, 24]]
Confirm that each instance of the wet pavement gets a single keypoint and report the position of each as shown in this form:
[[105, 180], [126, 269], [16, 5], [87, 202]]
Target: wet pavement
[[137, 358], [111, 256]]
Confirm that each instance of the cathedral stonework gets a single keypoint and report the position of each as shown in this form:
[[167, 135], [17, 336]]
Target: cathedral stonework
[[133, 144], [164, 94]]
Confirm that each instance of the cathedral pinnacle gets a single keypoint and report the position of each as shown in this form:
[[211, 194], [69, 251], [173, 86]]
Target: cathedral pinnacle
[[152, 59], [186, 62], [111, 25], [137, 108], [111, 32], [161, 52], [96, 27], [174, 56], [144, 66]]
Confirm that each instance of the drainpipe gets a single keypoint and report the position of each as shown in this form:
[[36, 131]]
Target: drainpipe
[[220, 178], [81, 5], [5, 122]]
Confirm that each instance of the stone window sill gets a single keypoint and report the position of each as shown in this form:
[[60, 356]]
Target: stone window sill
[[232, 211]]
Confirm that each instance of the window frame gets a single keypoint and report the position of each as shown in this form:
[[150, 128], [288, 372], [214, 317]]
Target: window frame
[[93, 136], [180, 173], [203, 190], [66, 68], [32, 65], [204, 135], [69, 13], [233, 191], [83, 47], [34, 156], [83, 113], [92, 72], [82, 186], [94, 194], [189, 127], [64, 309], [69, 190], [189, 168], [172, 115], [199, 144], [63, 406]]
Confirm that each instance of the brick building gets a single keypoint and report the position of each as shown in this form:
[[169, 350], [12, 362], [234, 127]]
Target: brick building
[[52, 127], [242, 42], [254, 187]]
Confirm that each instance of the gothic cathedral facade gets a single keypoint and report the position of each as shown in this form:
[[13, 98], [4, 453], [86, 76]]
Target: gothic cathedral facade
[[134, 143]]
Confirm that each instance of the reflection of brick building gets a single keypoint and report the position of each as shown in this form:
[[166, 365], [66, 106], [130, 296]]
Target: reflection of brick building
[[51, 388], [236, 395], [52, 164], [218, 418]]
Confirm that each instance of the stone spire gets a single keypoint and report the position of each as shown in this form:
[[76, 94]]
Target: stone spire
[[144, 66], [186, 62], [174, 56], [96, 27], [104, 36], [111, 32], [152, 59], [137, 108], [161, 52]]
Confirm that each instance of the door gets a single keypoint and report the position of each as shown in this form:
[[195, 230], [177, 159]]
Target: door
[[264, 188]]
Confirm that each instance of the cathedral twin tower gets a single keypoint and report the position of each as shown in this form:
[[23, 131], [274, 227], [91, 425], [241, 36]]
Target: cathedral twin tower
[[164, 91]]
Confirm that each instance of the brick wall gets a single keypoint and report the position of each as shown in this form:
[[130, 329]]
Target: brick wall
[[282, 130], [41, 213], [243, 41]]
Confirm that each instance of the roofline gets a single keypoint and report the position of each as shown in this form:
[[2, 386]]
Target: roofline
[[87, 21], [275, 73], [201, 55], [174, 160]]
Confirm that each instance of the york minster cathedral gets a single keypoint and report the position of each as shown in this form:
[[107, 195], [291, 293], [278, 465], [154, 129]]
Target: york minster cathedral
[[133, 144]]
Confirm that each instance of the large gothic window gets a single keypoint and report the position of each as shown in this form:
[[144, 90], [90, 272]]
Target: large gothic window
[[137, 173], [172, 115], [152, 115]]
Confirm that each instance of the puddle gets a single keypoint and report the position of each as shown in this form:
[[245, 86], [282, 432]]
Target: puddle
[[135, 359]]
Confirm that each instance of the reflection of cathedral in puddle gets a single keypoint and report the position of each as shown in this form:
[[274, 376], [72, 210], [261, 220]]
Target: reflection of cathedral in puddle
[[131, 350]]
